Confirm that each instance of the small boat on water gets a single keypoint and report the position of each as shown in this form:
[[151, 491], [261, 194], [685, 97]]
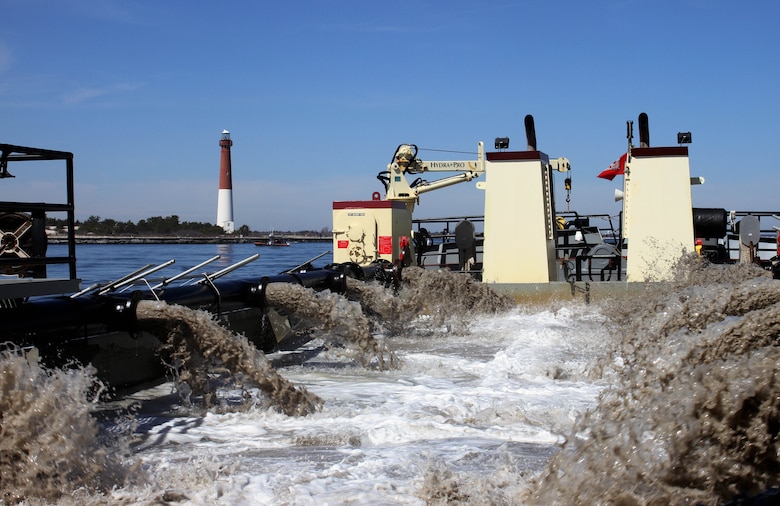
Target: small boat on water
[[273, 241]]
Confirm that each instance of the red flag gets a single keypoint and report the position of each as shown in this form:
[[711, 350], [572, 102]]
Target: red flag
[[617, 168]]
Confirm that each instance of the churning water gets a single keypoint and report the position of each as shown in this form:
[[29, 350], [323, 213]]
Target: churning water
[[444, 394]]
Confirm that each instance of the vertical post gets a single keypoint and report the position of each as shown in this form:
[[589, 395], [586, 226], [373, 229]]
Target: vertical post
[[657, 212], [71, 213], [519, 242]]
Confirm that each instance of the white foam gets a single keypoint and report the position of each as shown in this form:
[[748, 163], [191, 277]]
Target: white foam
[[476, 402]]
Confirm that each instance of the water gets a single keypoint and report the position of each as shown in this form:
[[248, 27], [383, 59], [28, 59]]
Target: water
[[671, 396], [104, 262]]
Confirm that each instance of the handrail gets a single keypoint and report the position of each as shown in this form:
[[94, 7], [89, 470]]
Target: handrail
[[166, 282], [110, 285], [208, 278]]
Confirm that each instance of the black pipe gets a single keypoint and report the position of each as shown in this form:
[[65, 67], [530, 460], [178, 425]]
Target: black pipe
[[530, 132], [644, 131], [64, 318], [319, 279]]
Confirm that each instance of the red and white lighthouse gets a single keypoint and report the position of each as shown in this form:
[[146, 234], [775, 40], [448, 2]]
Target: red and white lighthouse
[[225, 197]]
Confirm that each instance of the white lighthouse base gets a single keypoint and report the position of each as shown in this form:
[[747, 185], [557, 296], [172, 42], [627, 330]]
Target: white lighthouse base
[[225, 210]]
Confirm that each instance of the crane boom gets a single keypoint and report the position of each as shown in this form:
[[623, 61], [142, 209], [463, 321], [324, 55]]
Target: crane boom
[[405, 162]]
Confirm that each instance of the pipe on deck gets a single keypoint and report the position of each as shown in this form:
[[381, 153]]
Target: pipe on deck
[[60, 319]]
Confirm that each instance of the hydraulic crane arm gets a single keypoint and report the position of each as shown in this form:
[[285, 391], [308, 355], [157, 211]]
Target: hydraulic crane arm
[[405, 162]]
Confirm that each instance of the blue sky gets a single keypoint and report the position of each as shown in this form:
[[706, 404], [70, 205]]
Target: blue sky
[[317, 95]]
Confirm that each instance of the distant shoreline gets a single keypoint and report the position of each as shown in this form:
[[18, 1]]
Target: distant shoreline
[[113, 239]]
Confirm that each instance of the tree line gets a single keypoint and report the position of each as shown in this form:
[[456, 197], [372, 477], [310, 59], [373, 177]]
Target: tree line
[[154, 226], [158, 226]]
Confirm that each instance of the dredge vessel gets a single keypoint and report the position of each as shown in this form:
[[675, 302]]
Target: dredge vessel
[[522, 244], [526, 244]]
